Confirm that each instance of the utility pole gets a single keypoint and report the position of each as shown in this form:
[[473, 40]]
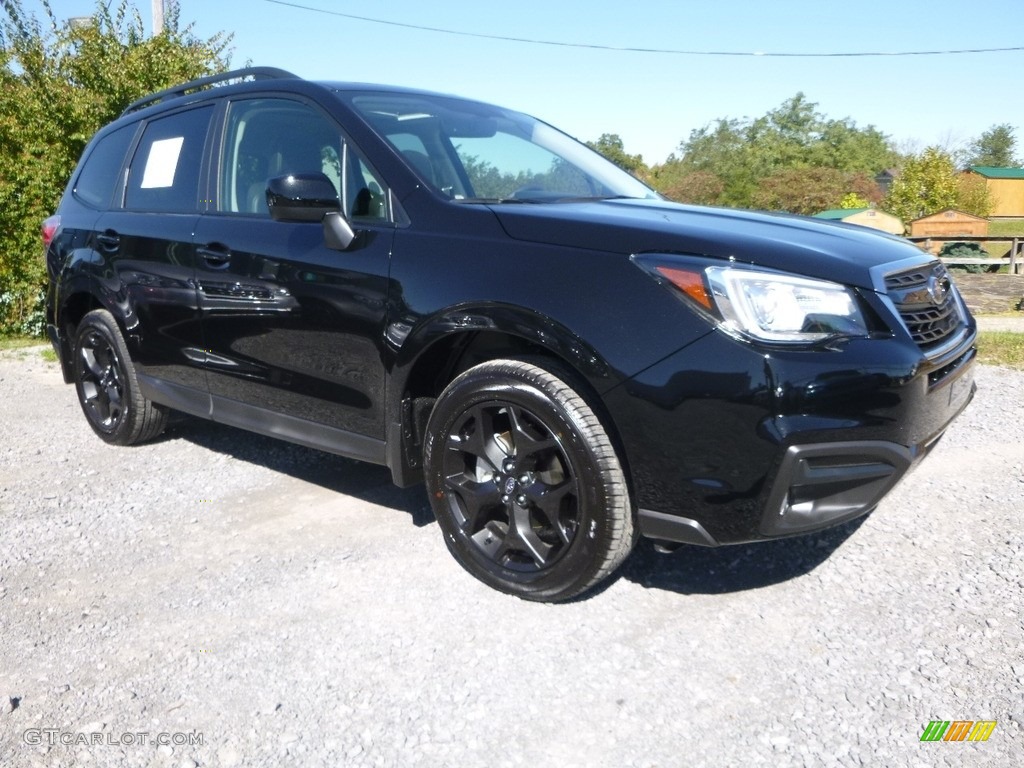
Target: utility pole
[[158, 17]]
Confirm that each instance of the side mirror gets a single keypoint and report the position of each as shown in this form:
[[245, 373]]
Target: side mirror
[[301, 197]]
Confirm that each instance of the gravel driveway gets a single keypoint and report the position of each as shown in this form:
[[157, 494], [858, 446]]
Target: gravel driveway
[[255, 603]]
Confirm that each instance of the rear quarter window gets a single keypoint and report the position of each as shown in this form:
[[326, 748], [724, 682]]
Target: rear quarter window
[[101, 171]]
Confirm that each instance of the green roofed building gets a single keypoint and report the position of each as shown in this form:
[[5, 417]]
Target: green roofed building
[[865, 217], [1005, 187]]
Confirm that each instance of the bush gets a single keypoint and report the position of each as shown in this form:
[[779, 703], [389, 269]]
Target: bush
[[965, 251], [59, 83], [23, 313]]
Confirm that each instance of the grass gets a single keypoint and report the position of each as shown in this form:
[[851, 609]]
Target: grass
[[1006, 228], [19, 342], [26, 342], [1004, 348], [1002, 228]]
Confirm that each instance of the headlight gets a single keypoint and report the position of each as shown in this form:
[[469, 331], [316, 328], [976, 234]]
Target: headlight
[[766, 306], [780, 308]]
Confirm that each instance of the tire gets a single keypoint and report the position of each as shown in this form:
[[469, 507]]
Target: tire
[[107, 387], [525, 483]]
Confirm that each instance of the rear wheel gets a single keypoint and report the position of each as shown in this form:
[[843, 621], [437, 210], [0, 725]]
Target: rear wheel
[[107, 387], [525, 483]]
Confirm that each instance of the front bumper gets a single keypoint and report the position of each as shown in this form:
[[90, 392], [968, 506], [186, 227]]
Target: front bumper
[[782, 443], [818, 486]]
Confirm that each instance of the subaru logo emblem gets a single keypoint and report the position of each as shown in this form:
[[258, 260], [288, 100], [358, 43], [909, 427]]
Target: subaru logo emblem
[[938, 288], [510, 485]]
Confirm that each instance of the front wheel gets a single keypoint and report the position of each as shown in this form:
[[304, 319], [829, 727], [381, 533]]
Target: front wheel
[[107, 387], [525, 483]]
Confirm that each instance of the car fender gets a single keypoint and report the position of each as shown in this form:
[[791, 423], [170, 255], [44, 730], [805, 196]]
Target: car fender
[[432, 352]]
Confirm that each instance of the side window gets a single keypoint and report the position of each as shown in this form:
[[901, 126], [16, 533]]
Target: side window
[[164, 174], [273, 137], [101, 172], [367, 199]]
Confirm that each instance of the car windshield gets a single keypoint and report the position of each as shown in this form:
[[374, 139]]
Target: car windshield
[[477, 153]]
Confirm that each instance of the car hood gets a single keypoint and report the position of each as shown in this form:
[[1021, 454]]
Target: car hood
[[838, 252]]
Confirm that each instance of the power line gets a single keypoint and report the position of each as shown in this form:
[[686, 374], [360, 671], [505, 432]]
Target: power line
[[672, 51]]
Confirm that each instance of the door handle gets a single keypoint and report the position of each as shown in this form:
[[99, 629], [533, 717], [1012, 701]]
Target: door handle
[[109, 240], [215, 255]]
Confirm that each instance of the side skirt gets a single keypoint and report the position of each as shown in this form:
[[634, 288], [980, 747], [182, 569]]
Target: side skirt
[[264, 422]]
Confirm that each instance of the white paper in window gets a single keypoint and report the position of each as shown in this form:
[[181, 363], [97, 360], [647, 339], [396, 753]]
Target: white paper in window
[[162, 162]]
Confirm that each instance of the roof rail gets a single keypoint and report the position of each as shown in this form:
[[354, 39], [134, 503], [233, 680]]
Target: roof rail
[[256, 73]]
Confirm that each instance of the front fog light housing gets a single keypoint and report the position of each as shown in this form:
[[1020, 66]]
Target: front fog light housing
[[782, 308]]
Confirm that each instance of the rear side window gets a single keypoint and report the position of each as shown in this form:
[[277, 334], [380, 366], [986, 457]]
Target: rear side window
[[101, 173], [164, 174]]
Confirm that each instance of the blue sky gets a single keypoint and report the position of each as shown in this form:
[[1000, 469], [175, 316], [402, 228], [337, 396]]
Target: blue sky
[[652, 100]]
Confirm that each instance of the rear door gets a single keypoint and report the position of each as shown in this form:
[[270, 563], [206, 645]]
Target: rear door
[[147, 248], [293, 329]]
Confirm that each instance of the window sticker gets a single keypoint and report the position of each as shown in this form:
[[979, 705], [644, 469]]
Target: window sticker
[[161, 163]]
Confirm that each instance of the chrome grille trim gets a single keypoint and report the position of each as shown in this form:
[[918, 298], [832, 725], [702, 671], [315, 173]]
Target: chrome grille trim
[[927, 303]]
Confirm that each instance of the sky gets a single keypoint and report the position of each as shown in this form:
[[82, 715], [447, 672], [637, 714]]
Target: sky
[[652, 100]]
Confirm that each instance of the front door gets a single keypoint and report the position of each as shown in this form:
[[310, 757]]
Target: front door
[[293, 330]]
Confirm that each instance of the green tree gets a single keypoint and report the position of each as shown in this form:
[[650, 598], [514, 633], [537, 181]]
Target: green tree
[[611, 146], [929, 183], [852, 200], [697, 187], [59, 83], [722, 149], [972, 195], [744, 152], [995, 147], [842, 145], [811, 190]]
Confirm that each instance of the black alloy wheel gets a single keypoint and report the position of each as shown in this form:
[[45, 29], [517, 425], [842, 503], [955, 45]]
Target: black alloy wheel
[[515, 492], [525, 483], [107, 387], [102, 381]]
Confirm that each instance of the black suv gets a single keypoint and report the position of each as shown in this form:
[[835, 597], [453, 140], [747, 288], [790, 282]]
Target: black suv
[[477, 301]]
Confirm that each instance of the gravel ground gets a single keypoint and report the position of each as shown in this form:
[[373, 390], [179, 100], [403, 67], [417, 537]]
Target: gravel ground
[[278, 606]]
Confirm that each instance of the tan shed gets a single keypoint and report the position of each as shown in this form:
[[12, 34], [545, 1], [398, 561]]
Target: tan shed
[[949, 223], [865, 217]]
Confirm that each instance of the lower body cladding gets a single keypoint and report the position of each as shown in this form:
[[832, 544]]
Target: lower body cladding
[[728, 444]]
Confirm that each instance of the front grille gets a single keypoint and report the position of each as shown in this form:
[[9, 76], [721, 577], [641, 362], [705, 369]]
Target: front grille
[[926, 300]]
